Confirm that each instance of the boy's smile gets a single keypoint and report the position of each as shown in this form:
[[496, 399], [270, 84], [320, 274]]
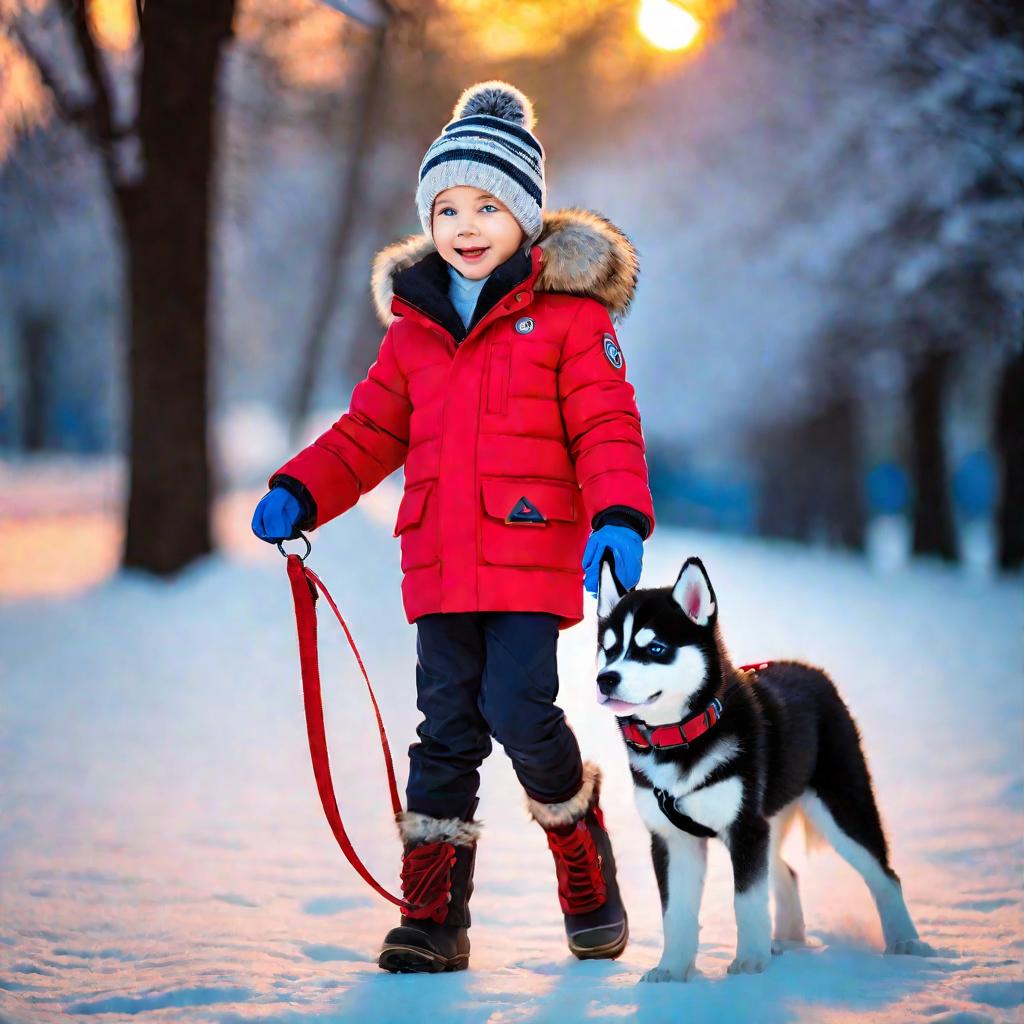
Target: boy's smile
[[472, 255], [473, 230]]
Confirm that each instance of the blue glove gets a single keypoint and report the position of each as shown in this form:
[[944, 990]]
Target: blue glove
[[277, 515], [627, 549]]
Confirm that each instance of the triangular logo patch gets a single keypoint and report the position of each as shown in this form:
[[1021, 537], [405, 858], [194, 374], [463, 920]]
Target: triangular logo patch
[[525, 512]]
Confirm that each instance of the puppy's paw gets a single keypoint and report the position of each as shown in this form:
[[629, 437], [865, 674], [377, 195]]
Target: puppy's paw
[[749, 963], [656, 974], [910, 947], [783, 945], [659, 973]]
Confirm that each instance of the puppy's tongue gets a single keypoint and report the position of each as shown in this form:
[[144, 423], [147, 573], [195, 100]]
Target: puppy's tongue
[[620, 707], [617, 707]]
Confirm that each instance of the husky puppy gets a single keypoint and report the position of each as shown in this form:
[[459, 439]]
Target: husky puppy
[[735, 755]]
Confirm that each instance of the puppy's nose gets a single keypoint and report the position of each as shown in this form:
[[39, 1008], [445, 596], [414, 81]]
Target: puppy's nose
[[607, 681]]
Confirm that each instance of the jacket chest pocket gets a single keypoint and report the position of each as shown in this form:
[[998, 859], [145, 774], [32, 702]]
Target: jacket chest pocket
[[533, 523], [499, 360]]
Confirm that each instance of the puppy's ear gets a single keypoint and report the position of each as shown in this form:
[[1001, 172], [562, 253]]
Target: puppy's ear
[[609, 590], [694, 594]]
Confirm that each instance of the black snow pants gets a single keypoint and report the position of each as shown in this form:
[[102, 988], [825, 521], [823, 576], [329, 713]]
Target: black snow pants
[[481, 675]]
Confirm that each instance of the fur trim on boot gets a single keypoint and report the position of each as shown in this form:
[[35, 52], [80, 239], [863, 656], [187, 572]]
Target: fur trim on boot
[[584, 254], [568, 812], [421, 828]]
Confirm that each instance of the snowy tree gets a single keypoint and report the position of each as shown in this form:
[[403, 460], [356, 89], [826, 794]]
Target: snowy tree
[[831, 198], [939, 274]]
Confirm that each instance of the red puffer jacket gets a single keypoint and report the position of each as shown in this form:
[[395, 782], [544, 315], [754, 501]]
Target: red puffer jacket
[[515, 436]]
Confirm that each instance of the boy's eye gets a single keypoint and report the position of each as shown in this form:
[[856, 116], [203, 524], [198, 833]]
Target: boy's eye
[[447, 209], [655, 647], [489, 206]]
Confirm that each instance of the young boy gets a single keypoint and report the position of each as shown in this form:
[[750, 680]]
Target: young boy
[[501, 387]]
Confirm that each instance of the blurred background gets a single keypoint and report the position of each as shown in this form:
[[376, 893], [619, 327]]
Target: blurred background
[[827, 346], [827, 197]]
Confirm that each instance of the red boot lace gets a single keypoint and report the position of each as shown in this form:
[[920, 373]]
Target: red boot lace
[[581, 885], [427, 880]]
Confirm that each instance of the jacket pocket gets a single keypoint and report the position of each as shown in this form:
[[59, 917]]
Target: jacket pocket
[[498, 363], [531, 522], [413, 523], [410, 510]]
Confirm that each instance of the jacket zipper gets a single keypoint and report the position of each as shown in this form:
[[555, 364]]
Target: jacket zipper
[[444, 414]]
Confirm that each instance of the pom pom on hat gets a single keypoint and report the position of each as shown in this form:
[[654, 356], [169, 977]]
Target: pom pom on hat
[[488, 143], [498, 99]]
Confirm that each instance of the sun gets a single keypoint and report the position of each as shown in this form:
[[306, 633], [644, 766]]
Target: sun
[[666, 25]]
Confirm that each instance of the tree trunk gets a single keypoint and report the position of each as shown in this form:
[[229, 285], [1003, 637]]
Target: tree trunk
[[166, 219], [932, 509], [1010, 446], [36, 343], [784, 500], [811, 478]]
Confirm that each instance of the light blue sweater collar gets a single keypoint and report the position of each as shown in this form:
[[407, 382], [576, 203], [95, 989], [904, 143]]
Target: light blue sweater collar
[[464, 293]]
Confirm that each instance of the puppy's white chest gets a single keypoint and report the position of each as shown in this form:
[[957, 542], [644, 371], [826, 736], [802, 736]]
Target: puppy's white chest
[[677, 781], [715, 806]]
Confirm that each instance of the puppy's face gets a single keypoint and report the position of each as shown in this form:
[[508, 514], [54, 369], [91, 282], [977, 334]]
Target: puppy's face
[[655, 647]]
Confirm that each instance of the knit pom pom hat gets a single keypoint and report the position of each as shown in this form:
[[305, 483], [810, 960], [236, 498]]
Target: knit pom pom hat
[[488, 143]]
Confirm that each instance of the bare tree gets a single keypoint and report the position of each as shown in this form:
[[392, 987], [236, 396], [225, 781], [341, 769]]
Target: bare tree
[[159, 169], [166, 221], [369, 99]]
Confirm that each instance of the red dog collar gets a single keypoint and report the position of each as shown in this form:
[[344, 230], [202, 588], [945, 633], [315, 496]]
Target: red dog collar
[[680, 734]]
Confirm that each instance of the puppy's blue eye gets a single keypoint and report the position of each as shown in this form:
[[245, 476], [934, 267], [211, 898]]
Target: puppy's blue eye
[[656, 648]]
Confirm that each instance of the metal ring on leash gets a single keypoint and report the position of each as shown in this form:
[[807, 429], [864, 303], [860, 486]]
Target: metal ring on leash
[[301, 536]]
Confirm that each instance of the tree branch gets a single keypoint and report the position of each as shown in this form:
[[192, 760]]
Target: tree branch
[[70, 109], [102, 110], [92, 116]]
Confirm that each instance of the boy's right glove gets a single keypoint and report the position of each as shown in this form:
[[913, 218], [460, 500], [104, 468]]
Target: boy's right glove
[[277, 516]]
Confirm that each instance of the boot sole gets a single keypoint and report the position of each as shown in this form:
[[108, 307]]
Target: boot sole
[[413, 960], [609, 951]]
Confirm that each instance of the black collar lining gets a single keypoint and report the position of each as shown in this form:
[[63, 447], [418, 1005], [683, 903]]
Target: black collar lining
[[425, 285]]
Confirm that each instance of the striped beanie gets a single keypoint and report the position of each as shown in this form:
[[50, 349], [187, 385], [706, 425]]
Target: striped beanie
[[488, 143]]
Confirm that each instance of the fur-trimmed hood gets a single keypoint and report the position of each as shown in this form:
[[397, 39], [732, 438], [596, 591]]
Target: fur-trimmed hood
[[584, 254]]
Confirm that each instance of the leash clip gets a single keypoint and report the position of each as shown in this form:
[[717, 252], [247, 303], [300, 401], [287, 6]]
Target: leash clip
[[301, 536]]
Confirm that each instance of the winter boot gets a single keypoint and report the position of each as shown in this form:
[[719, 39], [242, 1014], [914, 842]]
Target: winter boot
[[595, 919], [437, 876]]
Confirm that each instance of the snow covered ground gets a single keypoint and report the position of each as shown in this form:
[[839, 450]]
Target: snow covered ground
[[163, 855]]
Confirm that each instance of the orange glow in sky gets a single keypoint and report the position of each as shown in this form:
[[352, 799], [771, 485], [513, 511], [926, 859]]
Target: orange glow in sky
[[666, 25], [113, 23]]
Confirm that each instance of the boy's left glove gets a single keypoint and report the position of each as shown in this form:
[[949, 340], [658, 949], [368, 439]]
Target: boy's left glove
[[627, 549]]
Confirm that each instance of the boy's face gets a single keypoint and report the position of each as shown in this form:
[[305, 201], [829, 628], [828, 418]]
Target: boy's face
[[473, 230]]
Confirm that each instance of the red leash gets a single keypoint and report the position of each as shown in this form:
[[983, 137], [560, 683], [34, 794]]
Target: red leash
[[304, 584]]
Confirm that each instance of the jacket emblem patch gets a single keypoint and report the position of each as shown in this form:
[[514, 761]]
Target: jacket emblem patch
[[613, 352], [525, 512], [525, 324]]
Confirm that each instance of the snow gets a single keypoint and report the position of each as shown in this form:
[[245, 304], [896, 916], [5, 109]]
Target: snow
[[163, 855]]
